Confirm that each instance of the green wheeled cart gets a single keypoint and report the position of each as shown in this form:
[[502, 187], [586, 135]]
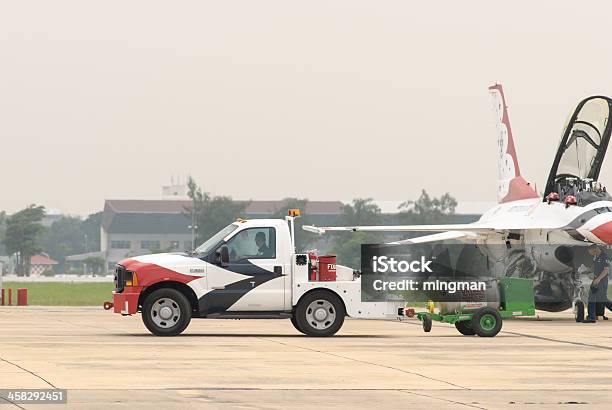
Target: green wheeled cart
[[516, 299]]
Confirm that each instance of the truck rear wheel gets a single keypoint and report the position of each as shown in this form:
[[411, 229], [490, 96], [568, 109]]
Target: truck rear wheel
[[295, 324], [319, 313], [166, 312]]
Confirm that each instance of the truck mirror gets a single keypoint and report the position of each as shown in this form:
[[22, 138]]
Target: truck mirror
[[224, 255]]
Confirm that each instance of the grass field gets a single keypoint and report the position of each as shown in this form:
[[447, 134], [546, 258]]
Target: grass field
[[63, 294]]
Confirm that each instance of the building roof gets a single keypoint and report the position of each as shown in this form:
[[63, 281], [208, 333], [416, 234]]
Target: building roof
[[42, 260], [171, 206], [171, 216], [174, 206], [147, 223]]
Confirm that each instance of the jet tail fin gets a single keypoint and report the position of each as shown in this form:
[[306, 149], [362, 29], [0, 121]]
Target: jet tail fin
[[511, 186]]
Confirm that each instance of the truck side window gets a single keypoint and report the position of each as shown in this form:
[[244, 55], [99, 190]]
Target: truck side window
[[253, 243]]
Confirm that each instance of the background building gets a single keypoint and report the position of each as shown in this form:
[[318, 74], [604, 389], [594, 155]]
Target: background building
[[40, 263]]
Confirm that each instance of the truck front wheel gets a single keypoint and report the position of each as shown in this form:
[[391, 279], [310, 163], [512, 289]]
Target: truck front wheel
[[166, 312], [319, 313]]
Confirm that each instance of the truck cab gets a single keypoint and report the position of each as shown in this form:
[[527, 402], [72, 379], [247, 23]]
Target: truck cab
[[249, 269]]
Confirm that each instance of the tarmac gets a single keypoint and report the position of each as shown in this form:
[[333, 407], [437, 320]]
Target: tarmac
[[109, 361]]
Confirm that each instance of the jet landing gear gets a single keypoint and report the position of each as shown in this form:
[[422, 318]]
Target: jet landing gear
[[579, 310], [579, 301]]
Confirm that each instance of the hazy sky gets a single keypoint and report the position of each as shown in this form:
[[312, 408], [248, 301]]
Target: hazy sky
[[269, 99]]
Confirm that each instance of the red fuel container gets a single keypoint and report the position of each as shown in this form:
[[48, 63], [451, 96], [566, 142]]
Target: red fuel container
[[327, 268], [22, 297]]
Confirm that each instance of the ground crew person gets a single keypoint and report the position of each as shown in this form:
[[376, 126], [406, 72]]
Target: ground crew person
[[598, 292]]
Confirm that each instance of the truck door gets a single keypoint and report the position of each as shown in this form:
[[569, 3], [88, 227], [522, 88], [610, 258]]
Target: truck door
[[252, 280]]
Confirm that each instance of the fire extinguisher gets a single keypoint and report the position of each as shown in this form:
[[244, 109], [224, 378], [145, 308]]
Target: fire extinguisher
[[313, 265]]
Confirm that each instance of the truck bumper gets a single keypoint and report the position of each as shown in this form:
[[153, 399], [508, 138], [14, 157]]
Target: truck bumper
[[126, 302]]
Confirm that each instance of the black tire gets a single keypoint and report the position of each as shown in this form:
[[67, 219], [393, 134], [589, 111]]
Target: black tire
[[579, 313], [325, 303], [295, 324], [486, 322], [177, 303], [465, 328], [427, 323]]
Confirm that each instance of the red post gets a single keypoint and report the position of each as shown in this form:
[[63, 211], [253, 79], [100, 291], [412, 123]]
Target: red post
[[10, 297], [22, 297], [2, 296]]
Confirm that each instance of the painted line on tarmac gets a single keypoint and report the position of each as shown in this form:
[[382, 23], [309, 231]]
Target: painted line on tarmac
[[549, 339], [31, 372], [366, 362], [12, 402], [442, 399], [82, 325]]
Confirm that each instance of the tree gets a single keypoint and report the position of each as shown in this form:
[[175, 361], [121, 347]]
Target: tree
[[94, 264], [302, 238], [64, 237], [211, 214], [2, 231], [363, 211], [347, 245], [217, 213], [90, 228], [427, 210], [23, 230]]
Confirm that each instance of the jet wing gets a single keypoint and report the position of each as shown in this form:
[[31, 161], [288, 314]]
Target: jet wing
[[475, 228], [442, 236]]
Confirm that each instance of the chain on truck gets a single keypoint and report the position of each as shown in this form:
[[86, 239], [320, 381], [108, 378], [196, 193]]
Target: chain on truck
[[249, 269]]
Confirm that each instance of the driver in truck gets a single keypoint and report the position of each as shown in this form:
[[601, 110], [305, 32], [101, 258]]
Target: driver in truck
[[262, 248]]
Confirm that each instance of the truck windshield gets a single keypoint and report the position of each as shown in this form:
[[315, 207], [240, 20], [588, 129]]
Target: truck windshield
[[216, 239]]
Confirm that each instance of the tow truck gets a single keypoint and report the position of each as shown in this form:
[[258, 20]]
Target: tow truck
[[248, 270]]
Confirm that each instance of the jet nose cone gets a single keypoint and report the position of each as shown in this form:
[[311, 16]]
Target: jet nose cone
[[604, 232]]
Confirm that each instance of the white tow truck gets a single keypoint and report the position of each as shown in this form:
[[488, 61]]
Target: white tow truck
[[249, 269]]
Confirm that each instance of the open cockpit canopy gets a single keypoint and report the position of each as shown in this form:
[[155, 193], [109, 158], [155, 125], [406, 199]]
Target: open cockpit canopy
[[582, 149]]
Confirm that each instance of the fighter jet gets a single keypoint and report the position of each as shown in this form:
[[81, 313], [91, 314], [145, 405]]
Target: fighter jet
[[542, 236]]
